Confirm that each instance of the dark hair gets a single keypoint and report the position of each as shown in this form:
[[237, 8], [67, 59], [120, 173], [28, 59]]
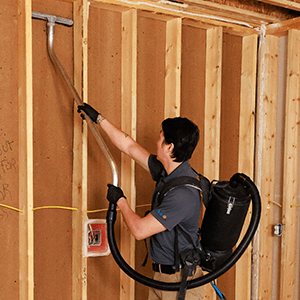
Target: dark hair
[[184, 134]]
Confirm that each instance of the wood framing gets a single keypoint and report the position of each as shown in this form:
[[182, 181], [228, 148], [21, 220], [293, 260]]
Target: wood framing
[[173, 68], [213, 102], [138, 62], [128, 125], [25, 99], [246, 151], [230, 25], [282, 28], [230, 11], [294, 5], [291, 172], [247, 104], [214, 40], [266, 137], [79, 184]]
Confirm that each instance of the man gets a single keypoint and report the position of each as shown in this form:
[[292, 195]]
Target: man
[[180, 206]]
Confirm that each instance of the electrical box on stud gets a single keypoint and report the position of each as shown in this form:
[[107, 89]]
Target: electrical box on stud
[[95, 238]]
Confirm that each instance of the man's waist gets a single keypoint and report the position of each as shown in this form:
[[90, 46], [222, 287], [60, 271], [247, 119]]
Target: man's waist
[[166, 269]]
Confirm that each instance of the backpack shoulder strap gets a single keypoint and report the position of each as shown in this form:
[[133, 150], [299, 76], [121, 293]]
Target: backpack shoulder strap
[[202, 184], [178, 182], [205, 187]]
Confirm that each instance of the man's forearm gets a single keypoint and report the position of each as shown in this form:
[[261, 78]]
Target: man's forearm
[[141, 228], [119, 138], [125, 143], [131, 218]]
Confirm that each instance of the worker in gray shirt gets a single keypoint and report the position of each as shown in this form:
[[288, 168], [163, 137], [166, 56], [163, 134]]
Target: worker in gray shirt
[[181, 206]]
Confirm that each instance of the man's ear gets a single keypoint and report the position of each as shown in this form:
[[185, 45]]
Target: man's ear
[[170, 148]]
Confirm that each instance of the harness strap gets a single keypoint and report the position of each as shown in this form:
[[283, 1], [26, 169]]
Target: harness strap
[[147, 254], [145, 241], [184, 283], [191, 258], [178, 182], [176, 251]]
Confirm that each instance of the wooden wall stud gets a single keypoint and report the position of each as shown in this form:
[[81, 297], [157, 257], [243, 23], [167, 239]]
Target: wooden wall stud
[[25, 98], [128, 125], [291, 172], [212, 120], [266, 139], [79, 185], [173, 67], [246, 151]]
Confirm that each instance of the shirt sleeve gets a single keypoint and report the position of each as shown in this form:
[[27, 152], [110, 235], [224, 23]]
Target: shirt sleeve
[[177, 206]]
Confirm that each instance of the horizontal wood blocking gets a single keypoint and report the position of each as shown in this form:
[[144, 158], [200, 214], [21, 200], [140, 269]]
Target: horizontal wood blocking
[[282, 28], [289, 4], [160, 10]]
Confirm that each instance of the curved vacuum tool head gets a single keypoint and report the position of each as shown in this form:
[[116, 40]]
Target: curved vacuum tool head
[[52, 19]]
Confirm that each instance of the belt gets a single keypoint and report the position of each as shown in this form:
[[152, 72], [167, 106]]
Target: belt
[[166, 269]]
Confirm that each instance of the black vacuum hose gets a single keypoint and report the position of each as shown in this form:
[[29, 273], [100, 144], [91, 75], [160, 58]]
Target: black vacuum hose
[[236, 179]]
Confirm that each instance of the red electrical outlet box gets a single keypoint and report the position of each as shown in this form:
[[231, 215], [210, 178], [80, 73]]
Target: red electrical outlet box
[[95, 238]]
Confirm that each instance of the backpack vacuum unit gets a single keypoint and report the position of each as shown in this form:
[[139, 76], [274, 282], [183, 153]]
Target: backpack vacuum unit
[[223, 221]]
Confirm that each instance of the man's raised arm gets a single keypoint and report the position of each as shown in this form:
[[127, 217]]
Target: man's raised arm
[[119, 138]]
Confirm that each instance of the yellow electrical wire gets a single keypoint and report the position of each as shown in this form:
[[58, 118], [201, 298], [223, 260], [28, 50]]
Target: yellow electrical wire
[[55, 206], [63, 207], [10, 207]]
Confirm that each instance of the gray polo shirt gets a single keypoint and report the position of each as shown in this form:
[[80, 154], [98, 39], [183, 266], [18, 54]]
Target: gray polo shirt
[[180, 206]]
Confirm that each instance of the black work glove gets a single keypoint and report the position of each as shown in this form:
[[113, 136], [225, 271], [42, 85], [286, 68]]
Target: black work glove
[[90, 111], [114, 193]]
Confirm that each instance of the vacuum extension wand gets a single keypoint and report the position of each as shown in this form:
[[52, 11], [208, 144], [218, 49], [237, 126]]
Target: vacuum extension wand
[[51, 21]]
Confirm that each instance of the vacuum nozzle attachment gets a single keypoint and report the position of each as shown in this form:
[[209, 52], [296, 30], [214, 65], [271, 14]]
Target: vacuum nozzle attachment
[[51, 18]]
